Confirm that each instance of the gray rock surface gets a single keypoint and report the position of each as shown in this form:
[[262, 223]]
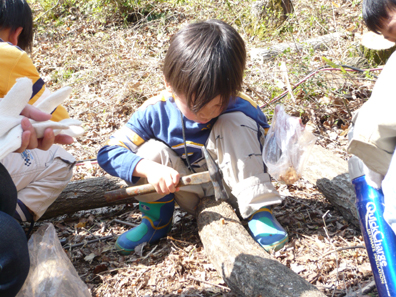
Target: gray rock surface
[[330, 174]]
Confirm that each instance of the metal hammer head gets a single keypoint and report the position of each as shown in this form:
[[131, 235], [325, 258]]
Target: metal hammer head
[[215, 176]]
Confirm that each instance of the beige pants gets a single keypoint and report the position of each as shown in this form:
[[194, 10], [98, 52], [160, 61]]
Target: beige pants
[[235, 146], [40, 176]]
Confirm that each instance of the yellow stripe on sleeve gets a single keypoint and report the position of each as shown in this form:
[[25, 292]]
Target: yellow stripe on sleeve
[[114, 142], [248, 99]]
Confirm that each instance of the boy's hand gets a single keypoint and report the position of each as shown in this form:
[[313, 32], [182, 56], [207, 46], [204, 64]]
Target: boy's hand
[[163, 178]]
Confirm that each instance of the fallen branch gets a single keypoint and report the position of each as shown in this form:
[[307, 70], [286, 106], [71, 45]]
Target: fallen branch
[[318, 43], [208, 283], [66, 246], [242, 263], [85, 194], [366, 289], [125, 223], [344, 248]]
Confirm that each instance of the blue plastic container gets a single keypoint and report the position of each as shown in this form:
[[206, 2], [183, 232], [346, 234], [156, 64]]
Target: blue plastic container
[[379, 238]]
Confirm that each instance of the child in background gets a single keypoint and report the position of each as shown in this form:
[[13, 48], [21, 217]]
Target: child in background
[[201, 106], [380, 17], [39, 176]]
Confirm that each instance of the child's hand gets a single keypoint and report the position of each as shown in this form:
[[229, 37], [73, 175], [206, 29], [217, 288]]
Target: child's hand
[[29, 137], [163, 178]]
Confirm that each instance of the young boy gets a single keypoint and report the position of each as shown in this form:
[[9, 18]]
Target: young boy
[[40, 176], [380, 17], [374, 131], [202, 106]]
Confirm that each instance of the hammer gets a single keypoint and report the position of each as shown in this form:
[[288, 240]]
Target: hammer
[[213, 174]]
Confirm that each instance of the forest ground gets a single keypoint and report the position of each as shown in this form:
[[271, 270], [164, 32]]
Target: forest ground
[[112, 59]]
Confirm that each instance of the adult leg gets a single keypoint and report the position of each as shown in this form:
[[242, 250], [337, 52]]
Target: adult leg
[[14, 255]]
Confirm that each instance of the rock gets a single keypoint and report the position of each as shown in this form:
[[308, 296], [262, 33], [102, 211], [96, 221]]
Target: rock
[[330, 174], [322, 163]]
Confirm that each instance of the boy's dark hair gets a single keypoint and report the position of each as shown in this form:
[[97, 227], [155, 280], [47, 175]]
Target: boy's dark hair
[[15, 14], [375, 12], [204, 60]]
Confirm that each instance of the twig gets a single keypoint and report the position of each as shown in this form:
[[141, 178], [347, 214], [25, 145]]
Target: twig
[[88, 242], [369, 287], [152, 251], [328, 237], [205, 282], [254, 91], [345, 248], [366, 289], [172, 243], [285, 77], [309, 76], [44, 13], [125, 223], [177, 240]]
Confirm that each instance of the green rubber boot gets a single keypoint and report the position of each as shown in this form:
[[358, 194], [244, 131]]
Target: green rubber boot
[[266, 230], [156, 223]]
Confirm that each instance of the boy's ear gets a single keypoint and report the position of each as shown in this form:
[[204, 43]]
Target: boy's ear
[[168, 86], [14, 35]]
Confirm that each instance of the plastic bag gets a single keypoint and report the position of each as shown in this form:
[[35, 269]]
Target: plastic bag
[[51, 273], [286, 147]]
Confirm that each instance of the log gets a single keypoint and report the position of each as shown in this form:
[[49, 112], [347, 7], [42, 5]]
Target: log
[[318, 43], [85, 194], [330, 175], [243, 264]]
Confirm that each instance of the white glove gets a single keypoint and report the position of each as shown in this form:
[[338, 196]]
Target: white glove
[[10, 119]]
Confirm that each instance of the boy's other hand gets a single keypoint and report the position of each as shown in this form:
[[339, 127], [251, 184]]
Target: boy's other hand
[[163, 178]]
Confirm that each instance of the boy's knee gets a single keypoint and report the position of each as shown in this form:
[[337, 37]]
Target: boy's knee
[[159, 152], [235, 124], [156, 151], [234, 120]]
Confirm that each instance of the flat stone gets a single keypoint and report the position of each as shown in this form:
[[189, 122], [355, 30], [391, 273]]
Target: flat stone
[[322, 163], [330, 174]]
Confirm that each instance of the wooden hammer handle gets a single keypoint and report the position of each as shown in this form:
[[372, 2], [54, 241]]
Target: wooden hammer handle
[[192, 179]]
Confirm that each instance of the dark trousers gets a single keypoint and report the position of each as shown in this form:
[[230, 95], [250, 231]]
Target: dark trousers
[[14, 255]]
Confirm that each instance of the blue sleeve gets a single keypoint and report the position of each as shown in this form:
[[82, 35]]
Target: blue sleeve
[[119, 161], [118, 157]]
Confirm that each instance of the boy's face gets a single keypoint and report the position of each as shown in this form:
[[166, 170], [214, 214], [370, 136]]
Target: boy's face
[[388, 27], [210, 111]]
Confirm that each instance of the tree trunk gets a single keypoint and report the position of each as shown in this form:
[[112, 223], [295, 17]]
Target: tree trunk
[[243, 264], [85, 194]]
